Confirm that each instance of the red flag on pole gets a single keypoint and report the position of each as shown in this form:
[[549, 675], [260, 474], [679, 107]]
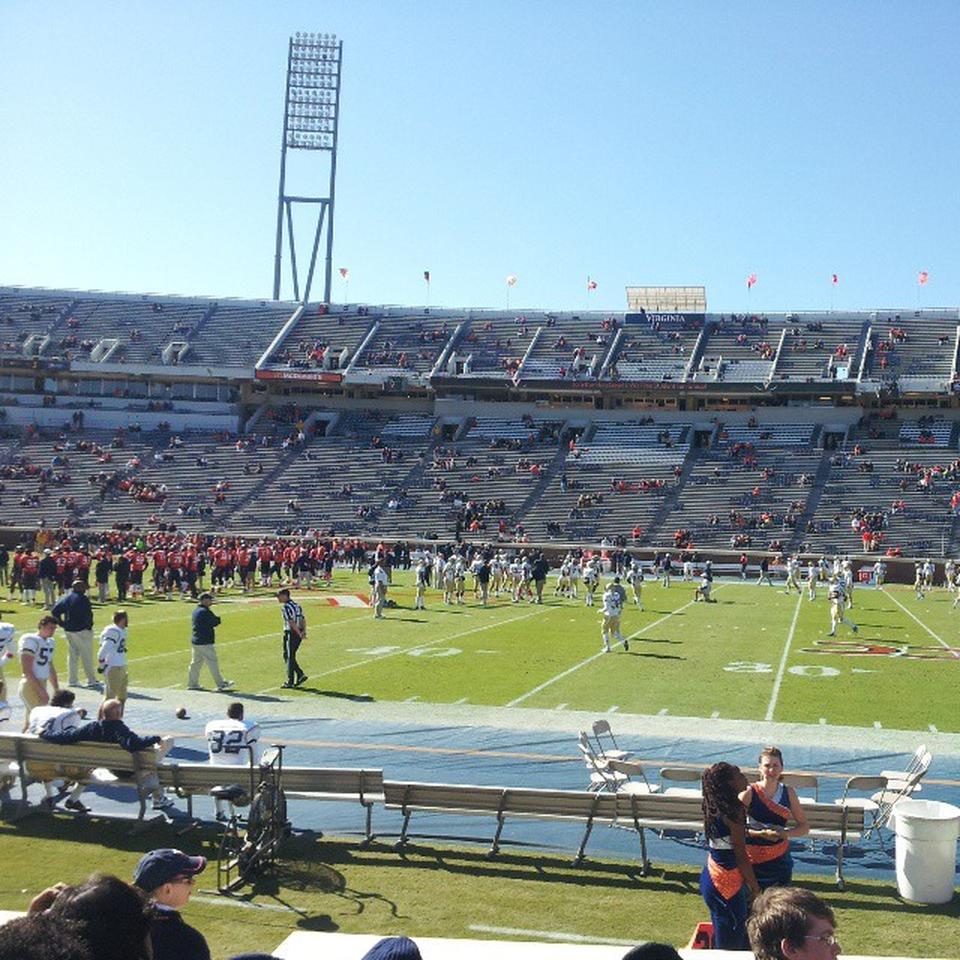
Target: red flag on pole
[[751, 280], [835, 280], [923, 278], [426, 275], [591, 284], [345, 273]]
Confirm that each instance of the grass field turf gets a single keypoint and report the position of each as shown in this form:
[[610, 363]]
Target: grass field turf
[[755, 654], [328, 885]]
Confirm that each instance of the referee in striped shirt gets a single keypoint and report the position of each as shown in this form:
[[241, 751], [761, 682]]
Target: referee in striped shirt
[[294, 630]]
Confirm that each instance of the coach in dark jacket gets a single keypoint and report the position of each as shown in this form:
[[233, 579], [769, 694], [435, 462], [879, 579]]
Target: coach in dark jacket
[[74, 613], [203, 635]]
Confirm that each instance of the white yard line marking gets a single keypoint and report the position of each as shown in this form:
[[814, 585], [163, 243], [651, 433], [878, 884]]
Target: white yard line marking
[[715, 714], [596, 656], [557, 936], [461, 700], [663, 712], [933, 729], [420, 646], [212, 899], [561, 706], [775, 695], [822, 721], [412, 699], [613, 710], [877, 725], [939, 639]]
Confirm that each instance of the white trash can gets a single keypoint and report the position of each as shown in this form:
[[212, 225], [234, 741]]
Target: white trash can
[[927, 832]]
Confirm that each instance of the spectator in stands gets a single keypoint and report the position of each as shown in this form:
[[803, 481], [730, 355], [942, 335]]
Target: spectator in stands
[[792, 924], [113, 918], [168, 877]]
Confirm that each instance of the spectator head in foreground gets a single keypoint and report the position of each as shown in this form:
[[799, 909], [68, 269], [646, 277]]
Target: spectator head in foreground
[[167, 875], [393, 948], [652, 951], [788, 923], [115, 917], [40, 937]]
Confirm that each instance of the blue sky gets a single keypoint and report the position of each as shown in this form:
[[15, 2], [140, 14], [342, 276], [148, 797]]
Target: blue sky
[[650, 143]]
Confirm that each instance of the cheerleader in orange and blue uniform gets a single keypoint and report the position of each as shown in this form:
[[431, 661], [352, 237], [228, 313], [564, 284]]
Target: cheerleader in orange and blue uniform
[[770, 805], [728, 867]]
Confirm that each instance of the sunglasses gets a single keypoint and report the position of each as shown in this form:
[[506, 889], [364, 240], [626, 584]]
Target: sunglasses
[[828, 938]]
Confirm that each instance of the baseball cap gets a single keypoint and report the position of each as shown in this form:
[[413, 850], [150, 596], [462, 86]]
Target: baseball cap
[[161, 866], [79, 585], [393, 948], [206, 596]]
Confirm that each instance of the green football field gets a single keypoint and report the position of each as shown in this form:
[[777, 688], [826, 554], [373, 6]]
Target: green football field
[[754, 654]]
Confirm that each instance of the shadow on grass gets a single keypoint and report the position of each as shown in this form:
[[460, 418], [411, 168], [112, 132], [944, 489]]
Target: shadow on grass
[[654, 656], [338, 694]]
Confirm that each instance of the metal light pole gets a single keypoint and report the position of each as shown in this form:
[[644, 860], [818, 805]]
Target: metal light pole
[[311, 117]]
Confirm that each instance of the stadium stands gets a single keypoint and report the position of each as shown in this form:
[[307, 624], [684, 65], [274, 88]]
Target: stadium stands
[[245, 415]]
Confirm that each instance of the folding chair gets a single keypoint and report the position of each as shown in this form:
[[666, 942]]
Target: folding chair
[[681, 775], [867, 804], [915, 771], [613, 752], [889, 796], [800, 780], [600, 777]]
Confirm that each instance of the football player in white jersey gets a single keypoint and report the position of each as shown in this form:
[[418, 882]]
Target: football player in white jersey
[[811, 581], [7, 631], [563, 580], [497, 567], [36, 662], [949, 575], [837, 597], [928, 570], [58, 716], [112, 658], [879, 573], [635, 579], [611, 607], [232, 742], [792, 583], [449, 579], [576, 575], [591, 578], [422, 574], [918, 580], [848, 581]]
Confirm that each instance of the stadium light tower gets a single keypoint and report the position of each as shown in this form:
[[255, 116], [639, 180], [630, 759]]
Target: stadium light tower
[[311, 115]]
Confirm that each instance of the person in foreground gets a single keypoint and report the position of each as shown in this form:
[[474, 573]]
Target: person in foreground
[[167, 876], [770, 805], [112, 918], [788, 923], [728, 866]]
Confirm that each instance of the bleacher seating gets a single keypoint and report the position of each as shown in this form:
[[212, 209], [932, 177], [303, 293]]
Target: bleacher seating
[[569, 347], [493, 346], [321, 340], [913, 348], [405, 345]]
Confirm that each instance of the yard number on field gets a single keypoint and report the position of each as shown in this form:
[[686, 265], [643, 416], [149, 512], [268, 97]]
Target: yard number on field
[[801, 670]]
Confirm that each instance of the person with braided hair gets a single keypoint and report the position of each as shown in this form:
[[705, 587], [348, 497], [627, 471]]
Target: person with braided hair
[[728, 866]]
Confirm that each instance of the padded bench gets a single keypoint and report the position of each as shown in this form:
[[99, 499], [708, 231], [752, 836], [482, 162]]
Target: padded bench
[[80, 763], [654, 811]]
